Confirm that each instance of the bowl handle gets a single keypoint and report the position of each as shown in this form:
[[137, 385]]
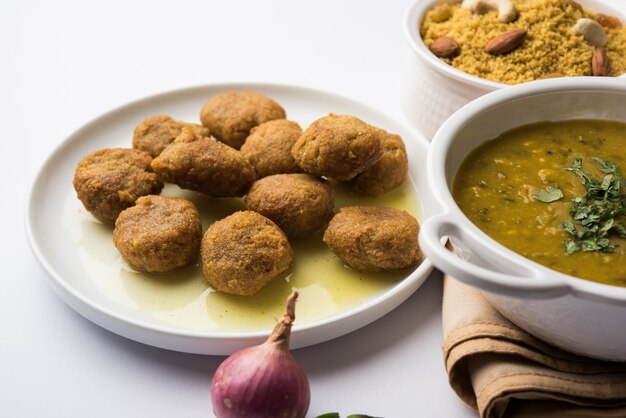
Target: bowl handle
[[526, 282]]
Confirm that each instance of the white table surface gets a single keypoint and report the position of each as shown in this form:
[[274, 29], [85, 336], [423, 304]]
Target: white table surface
[[64, 63]]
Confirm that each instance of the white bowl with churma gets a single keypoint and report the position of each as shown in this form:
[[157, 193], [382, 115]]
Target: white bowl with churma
[[450, 64]]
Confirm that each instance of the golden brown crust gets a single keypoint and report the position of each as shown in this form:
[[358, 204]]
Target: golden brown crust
[[155, 133], [374, 238], [158, 234], [198, 163], [337, 146], [298, 203], [268, 147], [389, 172], [243, 252], [110, 180], [230, 116]]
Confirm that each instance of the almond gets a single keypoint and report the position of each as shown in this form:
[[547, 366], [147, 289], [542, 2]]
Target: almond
[[608, 21], [506, 42], [445, 47], [600, 64]]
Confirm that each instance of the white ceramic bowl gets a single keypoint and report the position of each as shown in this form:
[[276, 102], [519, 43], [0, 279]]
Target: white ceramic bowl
[[578, 315], [433, 90]]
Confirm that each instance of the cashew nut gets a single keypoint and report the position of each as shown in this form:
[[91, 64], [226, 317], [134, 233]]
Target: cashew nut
[[591, 31], [506, 10]]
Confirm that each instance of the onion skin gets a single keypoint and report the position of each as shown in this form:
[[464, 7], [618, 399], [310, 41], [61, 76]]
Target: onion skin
[[263, 381]]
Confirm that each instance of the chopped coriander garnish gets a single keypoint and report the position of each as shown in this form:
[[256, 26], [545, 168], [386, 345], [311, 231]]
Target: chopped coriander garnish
[[547, 195], [595, 214], [571, 246]]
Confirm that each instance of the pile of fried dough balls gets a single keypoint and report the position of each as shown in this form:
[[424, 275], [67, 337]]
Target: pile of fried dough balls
[[246, 147]]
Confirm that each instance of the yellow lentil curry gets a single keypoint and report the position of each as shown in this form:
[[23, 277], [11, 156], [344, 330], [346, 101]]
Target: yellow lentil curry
[[553, 192], [551, 48]]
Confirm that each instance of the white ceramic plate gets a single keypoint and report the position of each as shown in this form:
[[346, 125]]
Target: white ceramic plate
[[57, 227]]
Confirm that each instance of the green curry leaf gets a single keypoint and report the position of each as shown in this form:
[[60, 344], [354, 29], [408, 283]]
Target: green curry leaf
[[359, 416]]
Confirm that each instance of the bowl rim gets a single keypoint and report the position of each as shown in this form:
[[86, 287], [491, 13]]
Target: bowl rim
[[442, 144], [412, 20]]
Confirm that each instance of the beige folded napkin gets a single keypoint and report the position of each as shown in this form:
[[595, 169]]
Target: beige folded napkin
[[504, 372]]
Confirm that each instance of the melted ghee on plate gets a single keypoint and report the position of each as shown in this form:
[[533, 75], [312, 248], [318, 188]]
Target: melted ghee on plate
[[185, 299]]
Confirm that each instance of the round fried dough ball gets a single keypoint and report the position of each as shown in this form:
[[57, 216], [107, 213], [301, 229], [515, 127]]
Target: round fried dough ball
[[158, 234], [388, 172], [298, 203], [337, 146], [157, 132], [198, 163], [110, 180], [268, 147], [230, 116], [374, 238], [243, 252]]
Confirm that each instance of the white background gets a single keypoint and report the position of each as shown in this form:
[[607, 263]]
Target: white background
[[63, 63]]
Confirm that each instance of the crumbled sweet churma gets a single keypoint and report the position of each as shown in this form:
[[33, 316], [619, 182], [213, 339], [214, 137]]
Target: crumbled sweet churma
[[553, 46]]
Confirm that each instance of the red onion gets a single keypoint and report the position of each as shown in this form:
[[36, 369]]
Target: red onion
[[264, 380]]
